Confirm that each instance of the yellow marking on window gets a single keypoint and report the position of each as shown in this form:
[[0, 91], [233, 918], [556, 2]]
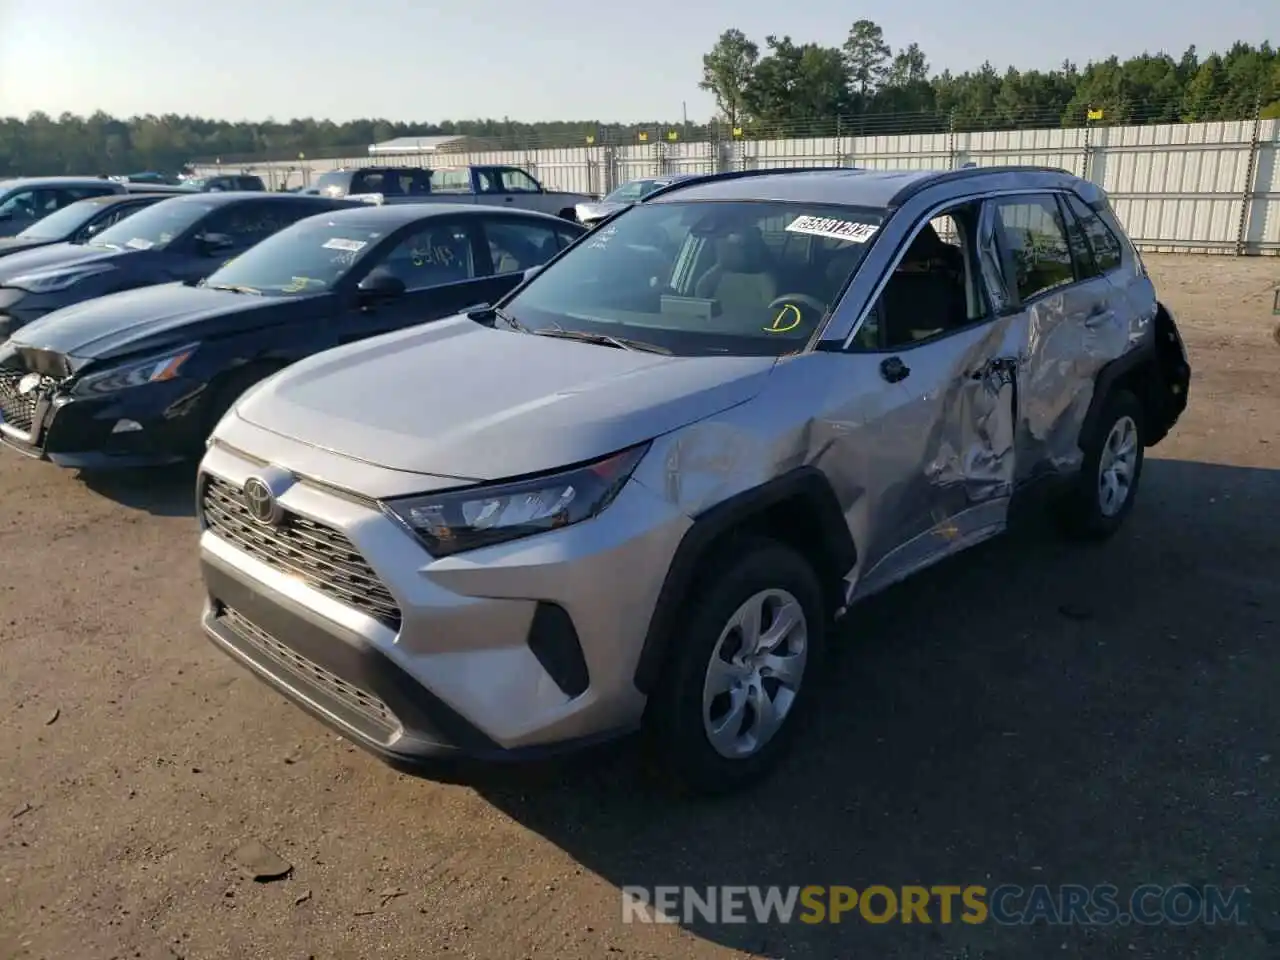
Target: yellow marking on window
[[788, 319]]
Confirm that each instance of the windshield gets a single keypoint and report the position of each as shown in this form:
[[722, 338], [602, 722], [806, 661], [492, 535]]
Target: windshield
[[635, 190], [153, 228], [309, 257], [751, 278], [333, 183], [62, 223]]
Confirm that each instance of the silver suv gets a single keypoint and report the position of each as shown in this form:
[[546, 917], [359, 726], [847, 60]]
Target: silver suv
[[639, 490]]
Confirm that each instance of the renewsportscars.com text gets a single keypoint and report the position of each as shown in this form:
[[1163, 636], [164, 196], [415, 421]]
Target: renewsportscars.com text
[[1006, 905]]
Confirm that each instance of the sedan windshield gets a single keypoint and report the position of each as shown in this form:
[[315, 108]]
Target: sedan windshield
[[751, 278], [62, 223], [309, 257], [155, 227]]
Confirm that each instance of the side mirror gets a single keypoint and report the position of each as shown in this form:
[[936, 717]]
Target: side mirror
[[379, 285], [213, 244], [93, 229]]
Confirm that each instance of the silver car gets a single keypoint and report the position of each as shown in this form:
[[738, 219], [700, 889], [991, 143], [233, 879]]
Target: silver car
[[633, 191], [640, 490]]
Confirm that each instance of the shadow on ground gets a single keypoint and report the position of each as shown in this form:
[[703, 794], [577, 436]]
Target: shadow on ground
[[1031, 713], [161, 491]]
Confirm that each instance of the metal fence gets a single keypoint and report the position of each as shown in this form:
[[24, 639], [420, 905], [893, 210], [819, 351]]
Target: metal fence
[[1187, 187]]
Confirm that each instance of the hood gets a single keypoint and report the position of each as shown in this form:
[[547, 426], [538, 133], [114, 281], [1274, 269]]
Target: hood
[[55, 256], [12, 245], [124, 323], [458, 399], [598, 210]]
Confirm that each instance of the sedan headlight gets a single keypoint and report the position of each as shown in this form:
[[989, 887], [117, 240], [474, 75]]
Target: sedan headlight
[[51, 281], [155, 369], [458, 520]]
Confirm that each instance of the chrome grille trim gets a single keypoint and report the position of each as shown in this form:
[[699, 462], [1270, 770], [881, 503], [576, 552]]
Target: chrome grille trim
[[320, 556]]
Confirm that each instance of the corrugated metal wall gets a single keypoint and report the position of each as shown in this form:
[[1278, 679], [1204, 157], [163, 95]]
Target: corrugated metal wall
[[1198, 187]]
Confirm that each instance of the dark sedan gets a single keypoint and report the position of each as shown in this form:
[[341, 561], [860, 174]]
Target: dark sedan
[[180, 238], [142, 377], [79, 221]]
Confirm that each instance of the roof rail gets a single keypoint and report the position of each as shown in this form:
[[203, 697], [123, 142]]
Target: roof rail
[[735, 175], [965, 173]]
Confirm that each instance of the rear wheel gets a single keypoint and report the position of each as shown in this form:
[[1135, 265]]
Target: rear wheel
[[1107, 484], [740, 670]]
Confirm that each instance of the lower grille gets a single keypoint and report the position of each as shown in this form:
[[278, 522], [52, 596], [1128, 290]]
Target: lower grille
[[320, 556], [350, 696], [16, 409]]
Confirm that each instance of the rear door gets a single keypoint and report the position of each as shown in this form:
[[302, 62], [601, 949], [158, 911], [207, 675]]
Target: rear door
[[442, 265], [1058, 299]]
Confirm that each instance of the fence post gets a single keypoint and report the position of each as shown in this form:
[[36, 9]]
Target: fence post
[[951, 139], [1086, 157], [1246, 195]]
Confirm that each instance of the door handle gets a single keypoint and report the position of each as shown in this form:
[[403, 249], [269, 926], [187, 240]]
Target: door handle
[[893, 369], [511, 199]]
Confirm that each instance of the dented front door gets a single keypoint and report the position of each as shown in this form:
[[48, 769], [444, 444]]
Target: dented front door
[[953, 448]]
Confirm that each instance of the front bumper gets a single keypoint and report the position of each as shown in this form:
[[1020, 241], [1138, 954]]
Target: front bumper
[[149, 425], [416, 658]]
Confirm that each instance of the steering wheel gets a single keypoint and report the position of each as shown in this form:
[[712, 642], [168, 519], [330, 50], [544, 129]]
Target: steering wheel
[[785, 320]]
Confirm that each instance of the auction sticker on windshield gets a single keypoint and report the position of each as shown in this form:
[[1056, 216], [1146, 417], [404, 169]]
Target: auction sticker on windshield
[[833, 229], [347, 246], [137, 243]]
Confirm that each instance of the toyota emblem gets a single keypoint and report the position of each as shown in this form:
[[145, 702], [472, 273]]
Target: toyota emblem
[[29, 383], [261, 502]]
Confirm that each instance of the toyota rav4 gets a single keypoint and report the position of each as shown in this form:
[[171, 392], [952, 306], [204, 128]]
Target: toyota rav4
[[638, 491]]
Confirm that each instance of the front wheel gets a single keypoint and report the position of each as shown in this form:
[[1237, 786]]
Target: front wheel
[[1105, 489], [740, 667]]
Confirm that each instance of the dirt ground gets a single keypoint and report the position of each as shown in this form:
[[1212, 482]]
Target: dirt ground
[[1030, 713]]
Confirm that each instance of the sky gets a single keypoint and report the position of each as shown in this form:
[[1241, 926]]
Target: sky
[[431, 60]]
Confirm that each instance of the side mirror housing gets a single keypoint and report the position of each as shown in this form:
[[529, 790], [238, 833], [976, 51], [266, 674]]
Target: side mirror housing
[[378, 286]]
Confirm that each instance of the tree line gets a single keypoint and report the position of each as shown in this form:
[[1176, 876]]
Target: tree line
[[783, 89], [790, 85]]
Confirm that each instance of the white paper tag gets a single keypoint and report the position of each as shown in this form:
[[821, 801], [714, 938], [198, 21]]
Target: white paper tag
[[347, 246], [833, 229], [137, 243]]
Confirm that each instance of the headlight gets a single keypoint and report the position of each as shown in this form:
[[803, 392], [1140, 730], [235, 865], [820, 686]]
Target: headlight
[[134, 374], [52, 281], [458, 520]]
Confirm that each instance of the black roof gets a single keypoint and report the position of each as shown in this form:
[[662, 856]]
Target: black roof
[[111, 199], [222, 198], [392, 215]]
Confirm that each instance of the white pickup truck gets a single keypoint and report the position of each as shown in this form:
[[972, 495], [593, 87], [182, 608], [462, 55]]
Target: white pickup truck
[[491, 185]]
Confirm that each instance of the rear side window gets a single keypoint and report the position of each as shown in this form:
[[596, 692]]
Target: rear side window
[[1034, 237], [1104, 244], [451, 181]]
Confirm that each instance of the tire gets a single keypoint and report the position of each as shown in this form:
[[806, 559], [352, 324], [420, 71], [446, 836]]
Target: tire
[[1089, 511], [761, 573], [229, 391]]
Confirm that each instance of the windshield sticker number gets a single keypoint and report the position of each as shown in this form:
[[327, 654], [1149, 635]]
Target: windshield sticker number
[[787, 319], [833, 229], [138, 243], [346, 246]]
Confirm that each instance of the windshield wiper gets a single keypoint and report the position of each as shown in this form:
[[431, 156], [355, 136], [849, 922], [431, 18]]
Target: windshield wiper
[[604, 339], [234, 288]]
